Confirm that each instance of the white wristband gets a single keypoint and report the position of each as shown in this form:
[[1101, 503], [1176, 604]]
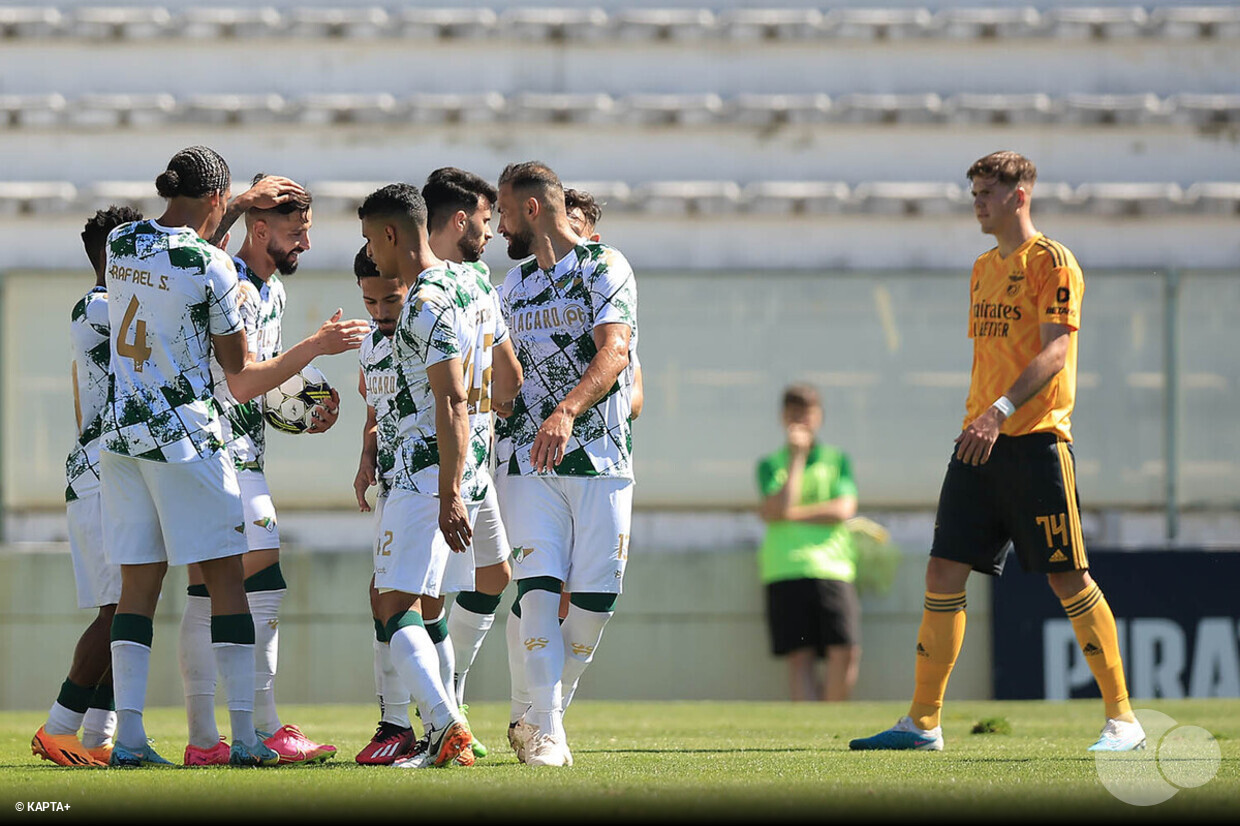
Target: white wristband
[[1004, 406]]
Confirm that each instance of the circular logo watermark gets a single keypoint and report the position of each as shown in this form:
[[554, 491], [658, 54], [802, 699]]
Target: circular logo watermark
[[1175, 757]]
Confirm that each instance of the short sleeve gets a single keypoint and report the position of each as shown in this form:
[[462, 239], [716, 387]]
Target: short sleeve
[[223, 297], [501, 326], [1060, 293], [613, 290], [770, 478], [844, 485], [432, 326]]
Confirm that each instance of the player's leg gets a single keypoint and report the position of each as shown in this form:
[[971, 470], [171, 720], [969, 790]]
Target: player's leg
[[969, 535], [538, 517], [197, 664], [1049, 539], [57, 739], [793, 629], [414, 564], [840, 618], [519, 731], [436, 624], [802, 665]]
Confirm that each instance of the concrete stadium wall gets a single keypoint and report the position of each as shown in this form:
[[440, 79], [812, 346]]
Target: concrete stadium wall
[[690, 626]]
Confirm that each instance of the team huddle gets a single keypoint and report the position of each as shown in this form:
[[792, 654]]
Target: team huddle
[[497, 435]]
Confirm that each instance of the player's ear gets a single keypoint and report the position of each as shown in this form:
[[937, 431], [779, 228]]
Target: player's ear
[[460, 218]]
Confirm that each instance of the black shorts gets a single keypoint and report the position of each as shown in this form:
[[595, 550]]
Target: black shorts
[[1024, 494], [812, 613]]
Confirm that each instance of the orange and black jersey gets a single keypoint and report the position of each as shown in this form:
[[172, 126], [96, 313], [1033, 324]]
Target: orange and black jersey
[[1010, 298]]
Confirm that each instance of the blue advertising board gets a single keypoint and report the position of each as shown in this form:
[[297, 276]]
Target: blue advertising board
[[1177, 613]]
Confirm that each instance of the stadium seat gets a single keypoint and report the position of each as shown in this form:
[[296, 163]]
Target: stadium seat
[[1215, 198], [36, 197], [999, 109], [445, 23], [681, 110], [562, 108], [95, 111], [612, 196], [986, 23], [663, 24], [119, 23], [795, 197], [216, 24], [140, 195], [1204, 110], [751, 25], [351, 23], [868, 108], [1055, 197], [1190, 22], [877, 24], [30, 21], [429, 108], [775, 110], [1096, 22], [1113, 109], [341, 197], [234, 109], [553, 24], [322, 110], [688, 197], [909, 198], [1130, 199], [31, 110]]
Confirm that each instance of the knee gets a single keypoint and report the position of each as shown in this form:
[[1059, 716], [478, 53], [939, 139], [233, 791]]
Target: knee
[[944, 576]]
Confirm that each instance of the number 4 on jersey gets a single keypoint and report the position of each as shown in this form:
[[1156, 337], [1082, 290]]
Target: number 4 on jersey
[[139, 351]]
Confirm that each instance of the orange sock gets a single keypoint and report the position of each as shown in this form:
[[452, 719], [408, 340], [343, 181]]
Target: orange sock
[[938, 644], [1094, 625]]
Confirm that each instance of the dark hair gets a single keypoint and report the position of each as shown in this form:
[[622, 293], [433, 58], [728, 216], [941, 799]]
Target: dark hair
[[449, 189], [363, 267], [395, 201], [533, 177], [584, 201], [1010, 168], [95, 235], [296, 203], [193, 173], [801, 394]]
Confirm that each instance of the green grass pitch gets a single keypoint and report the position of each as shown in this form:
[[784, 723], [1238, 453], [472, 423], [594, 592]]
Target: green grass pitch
[[686, 762]]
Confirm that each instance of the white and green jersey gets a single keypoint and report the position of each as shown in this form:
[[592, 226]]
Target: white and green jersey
[[261, 304], [552, 315], [380, 376], [88, 336], [451, 312], [169, 291]]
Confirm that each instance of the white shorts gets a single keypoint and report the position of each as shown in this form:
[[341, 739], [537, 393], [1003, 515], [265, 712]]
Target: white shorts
[[574, 529], [174, 512], [411, 554], [98, 581], [261, 531], [490, 545]]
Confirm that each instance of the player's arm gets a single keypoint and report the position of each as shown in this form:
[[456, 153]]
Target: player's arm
[[254, 378], [832, 511], [611, 341], [447, 383], [639, 394], [267, 193], [367, 467], [976, 440], [506, 378], [778, 505]]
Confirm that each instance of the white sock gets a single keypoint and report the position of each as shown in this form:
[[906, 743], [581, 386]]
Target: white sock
[[131, 665], [393, 699], [98, 727], [62, 720], [235, 662], [516, 669], [265, 608], [582, 631], [417, 663], [447, 665], [544, 658], [198, 672], [467, 630]]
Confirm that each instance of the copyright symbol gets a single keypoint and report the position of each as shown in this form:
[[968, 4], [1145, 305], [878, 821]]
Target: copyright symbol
[[18, 806]]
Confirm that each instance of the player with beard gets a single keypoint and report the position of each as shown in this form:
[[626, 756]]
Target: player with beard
[[277, 233], [565, 469]]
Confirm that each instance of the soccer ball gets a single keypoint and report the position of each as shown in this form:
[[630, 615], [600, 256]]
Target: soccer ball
[[288, 406]]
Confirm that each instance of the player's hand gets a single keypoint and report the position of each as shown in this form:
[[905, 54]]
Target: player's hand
[[367, 475], [550, 441], [454, 523], [223, 244], [269, 193], [800, 439], [325, 415], [975, 442], [336, 336]]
